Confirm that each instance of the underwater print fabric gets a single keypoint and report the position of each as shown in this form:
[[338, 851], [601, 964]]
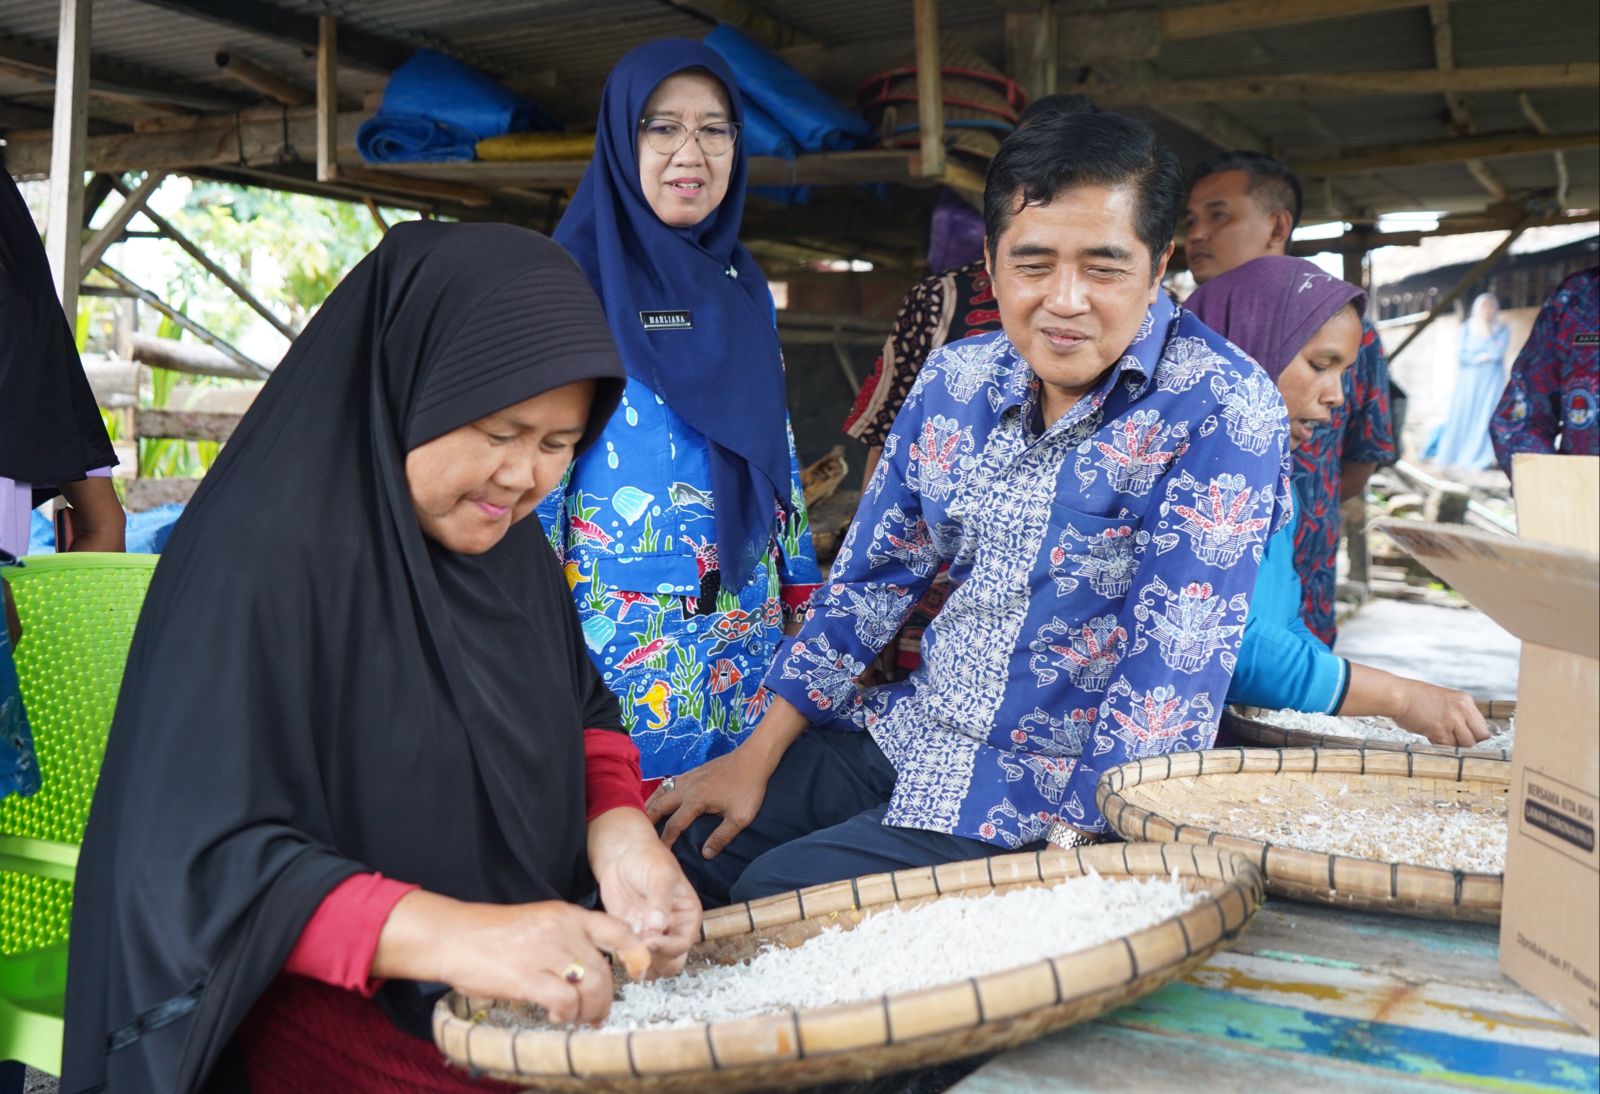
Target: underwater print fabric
[[635, 530]]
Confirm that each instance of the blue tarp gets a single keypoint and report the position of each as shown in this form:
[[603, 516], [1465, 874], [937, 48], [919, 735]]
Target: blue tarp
[[763, 136], [816, 122], [147, 531], [435, 108]]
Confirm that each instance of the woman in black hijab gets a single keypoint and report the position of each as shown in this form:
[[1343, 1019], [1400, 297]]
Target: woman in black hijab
[[359, 666], [52, 440]]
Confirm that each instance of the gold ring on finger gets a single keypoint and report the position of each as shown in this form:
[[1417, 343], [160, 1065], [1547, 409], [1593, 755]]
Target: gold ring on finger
[[573, 973]]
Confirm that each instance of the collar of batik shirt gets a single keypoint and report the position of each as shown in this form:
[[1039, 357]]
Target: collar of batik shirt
[[1137, 364]]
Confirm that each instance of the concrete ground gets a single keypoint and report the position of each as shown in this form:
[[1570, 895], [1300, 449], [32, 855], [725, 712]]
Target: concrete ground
[[1452, 647]]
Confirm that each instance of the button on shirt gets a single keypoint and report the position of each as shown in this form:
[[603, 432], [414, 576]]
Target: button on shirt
[[1102, 569]]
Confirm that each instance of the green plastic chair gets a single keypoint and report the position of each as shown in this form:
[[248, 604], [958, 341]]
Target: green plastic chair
[[78, 613]]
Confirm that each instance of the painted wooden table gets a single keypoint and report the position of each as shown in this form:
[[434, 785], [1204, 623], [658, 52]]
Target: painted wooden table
[[1320, 999]]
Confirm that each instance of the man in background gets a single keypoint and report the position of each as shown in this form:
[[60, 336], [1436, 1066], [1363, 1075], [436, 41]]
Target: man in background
[[1552, 400], [1243, 205]]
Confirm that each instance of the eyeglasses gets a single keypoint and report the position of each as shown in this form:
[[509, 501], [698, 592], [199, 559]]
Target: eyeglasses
[[666, 136]]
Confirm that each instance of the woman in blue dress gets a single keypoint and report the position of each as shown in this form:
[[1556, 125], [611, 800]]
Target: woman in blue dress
[[1463, 440], [683, 530], [1303, 326]]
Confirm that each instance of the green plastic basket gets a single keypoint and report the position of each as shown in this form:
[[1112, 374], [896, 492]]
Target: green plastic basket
[[78, 613]]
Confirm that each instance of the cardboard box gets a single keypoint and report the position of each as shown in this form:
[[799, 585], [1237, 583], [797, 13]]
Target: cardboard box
[[1544, 587]]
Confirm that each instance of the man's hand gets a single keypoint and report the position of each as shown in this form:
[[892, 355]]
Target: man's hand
[[731, 787]]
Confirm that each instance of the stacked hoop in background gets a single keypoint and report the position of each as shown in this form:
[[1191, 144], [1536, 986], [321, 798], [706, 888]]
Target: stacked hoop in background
[[981, 104]]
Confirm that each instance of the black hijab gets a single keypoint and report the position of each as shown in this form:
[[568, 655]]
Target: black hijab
[[52, 430], [315, 689]]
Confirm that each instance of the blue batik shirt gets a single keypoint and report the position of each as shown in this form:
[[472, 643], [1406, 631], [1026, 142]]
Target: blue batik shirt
[[1102, 572]]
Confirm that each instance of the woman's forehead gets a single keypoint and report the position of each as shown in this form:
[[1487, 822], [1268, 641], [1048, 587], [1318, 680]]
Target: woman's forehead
[[685, 91]]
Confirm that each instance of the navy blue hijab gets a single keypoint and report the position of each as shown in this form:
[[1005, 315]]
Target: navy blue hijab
[[724, 375]]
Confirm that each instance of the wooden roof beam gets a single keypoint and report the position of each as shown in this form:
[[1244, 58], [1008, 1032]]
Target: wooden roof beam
[[359, 47], [246, 137], [1489, 220], [748, 19], [1356, 84], [1460, 117], [1536, 120], [1091, 35], [1233, 16], [113, 80], [1358, 161]]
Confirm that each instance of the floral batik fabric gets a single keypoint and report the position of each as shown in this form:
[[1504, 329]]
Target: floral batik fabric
[[1100, 573], [943, 308], [1359, 431], [1552, 400], [683, 653]]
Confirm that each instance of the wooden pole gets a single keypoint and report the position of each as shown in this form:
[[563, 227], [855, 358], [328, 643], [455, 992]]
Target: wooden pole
[[251, 369], [63, 235], [190, 359], [1536, 120], [1444, 58], [264, 80], [1472, 275], [132, 203], [166, 228], [930, 86], [327, 98], [1031, 48]]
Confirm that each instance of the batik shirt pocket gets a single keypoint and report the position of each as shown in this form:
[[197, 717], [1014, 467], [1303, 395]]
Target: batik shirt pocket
[[1088, 568]]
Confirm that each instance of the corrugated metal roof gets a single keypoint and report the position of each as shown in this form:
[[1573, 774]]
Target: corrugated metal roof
[[559, 51]]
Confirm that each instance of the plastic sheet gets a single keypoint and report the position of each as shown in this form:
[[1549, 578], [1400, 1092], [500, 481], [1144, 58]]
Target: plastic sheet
[[435, 108], [816, 122]]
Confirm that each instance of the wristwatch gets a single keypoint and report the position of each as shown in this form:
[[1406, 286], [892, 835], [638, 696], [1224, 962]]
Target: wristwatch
[[1064, 835]]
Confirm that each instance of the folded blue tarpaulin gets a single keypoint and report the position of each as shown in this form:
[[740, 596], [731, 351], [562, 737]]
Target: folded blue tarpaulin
[[435, 108], [816, 122], [763, 136], [147, 531]]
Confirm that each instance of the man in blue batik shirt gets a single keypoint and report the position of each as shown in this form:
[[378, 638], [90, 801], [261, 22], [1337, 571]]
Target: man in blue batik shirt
[[1101, 477]]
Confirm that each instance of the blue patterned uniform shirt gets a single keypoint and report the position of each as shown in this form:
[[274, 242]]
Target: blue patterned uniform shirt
[[1102, 572]]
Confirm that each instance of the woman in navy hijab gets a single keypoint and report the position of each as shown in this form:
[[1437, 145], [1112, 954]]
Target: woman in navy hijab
[[683, 531]]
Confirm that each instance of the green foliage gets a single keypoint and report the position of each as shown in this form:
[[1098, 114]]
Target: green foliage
[[290, 249], [80, 329]]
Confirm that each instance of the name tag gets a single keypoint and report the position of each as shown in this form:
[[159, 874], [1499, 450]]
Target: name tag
[[666, 320], [1588, 338]]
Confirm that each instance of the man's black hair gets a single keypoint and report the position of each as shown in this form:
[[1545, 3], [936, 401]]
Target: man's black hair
[[1059, 103], [1057, 151], [1272, 184]]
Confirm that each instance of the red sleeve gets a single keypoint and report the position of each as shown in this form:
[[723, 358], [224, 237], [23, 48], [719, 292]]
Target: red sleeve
[[339, 940], [795, 599], [611, 774]]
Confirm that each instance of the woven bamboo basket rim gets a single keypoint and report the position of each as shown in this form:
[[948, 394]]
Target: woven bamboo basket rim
[[1324, 877], [1247, 726], [879, 1036]]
